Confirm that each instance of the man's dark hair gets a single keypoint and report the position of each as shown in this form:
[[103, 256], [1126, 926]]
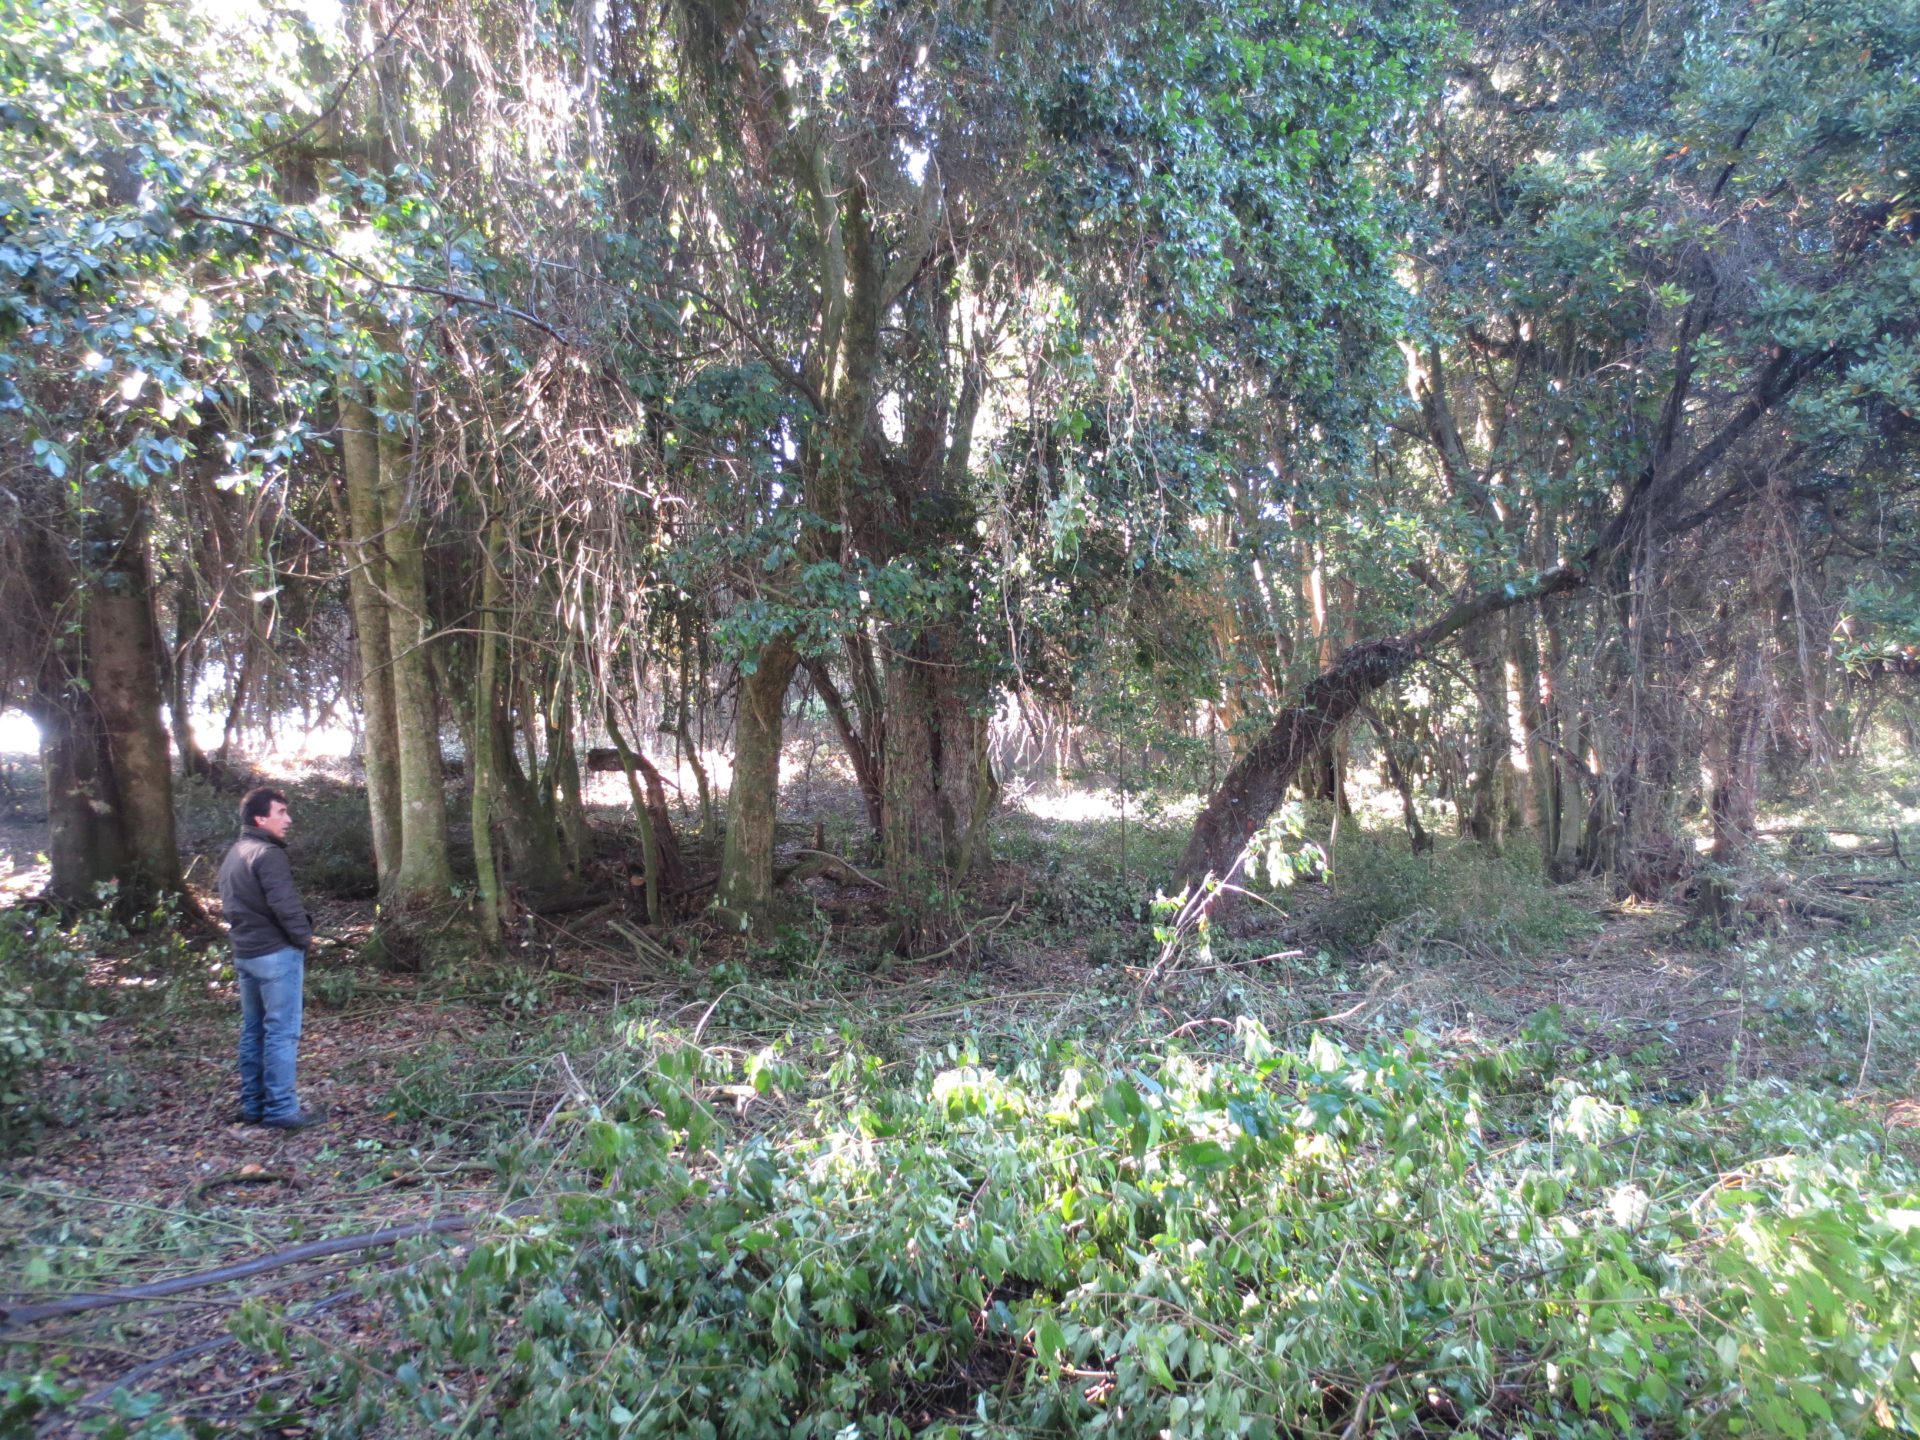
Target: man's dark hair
[[258, 803]]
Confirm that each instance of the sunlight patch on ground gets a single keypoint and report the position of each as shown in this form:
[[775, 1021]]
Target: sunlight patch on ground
[[21, 876]]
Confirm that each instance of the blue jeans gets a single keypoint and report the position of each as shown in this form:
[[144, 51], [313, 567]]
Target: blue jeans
[[270, 1032]]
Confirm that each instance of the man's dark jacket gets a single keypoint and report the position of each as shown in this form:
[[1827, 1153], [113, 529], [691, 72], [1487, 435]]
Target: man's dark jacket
[[263, 909]]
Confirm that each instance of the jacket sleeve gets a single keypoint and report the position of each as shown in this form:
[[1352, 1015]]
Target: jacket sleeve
[[276, 884]]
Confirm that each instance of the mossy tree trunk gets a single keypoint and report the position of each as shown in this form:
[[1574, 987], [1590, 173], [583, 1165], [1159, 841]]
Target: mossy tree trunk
[[83, 845], [526, 820]]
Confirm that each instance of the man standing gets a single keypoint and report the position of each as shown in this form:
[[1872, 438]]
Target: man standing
[[271, 931]]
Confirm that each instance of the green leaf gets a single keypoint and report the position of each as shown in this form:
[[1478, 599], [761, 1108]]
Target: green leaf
[[1049, 1340]]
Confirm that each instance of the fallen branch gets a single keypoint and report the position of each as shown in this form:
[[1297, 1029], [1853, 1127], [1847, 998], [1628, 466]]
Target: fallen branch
[[16, 1316], [644, 948], [104, 1392], [986, 927], [825, 862]]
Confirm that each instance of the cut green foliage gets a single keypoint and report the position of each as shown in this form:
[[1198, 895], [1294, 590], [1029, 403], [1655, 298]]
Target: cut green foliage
[[1248, 1241]]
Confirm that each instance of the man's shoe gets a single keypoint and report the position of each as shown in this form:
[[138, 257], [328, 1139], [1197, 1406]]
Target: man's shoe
[[299, 1120], [238, 1116]]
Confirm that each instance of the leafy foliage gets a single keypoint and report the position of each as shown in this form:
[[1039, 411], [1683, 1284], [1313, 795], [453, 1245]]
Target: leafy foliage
[[1184, 1243], [45, 1009]]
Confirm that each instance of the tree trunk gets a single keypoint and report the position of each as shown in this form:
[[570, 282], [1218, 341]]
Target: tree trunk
[[182, 673], [1650, 856], [123, 667], [368, 587], [1417, 836], [83, 846], [423, 878], [480, 747], [528, 823], [1735, 798], [683, 729], [1256, 785], [237, 700], [659, 848], [1484, 816], [1536, 785], [563, 762], [939, 789], [746, 862]]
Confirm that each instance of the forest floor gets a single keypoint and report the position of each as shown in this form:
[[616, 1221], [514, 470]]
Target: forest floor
[[130, 1170]]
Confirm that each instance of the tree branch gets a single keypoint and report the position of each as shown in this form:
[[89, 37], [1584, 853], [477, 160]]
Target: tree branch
[[453, 297]]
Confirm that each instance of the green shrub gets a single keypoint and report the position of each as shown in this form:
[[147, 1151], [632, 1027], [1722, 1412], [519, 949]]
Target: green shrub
[[44, 1004], [1393, 1242], [1457, 898]]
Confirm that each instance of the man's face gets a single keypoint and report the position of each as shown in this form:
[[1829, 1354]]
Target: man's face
[[277, 821]]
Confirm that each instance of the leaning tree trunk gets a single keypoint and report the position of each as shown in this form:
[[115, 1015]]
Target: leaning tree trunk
[[1257, 784], [746, 863]]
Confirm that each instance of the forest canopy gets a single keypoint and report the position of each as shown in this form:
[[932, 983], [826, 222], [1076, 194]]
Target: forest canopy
[[552, 373]]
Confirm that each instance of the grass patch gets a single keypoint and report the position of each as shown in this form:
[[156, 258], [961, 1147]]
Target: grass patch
[[1457, 897]]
